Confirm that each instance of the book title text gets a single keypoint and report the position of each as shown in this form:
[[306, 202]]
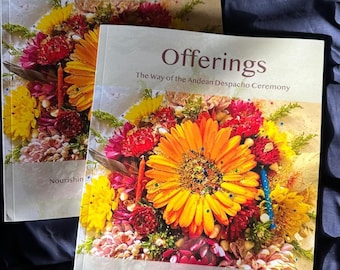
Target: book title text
[[189, 57]]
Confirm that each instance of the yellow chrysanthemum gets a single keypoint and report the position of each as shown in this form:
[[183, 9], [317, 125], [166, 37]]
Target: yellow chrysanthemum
[[20, 113], [98, 202], [200, 175], [144, 109], [56, 17], [271, 130], [290, 212], [82, 71]]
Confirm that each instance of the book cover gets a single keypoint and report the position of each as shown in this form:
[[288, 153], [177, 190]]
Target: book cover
[[48, 54], [203, 150]]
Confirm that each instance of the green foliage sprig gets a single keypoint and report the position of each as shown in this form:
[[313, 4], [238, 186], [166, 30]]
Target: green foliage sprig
[[56, 3], [158, 242], [79, 146], [301, 141], [99, 138], [103, 13], [283, 111], [8, 75], [14, 155], [105, 116], [11, 49], [259, 233], [19, 30], [147, 93], [308, 254], [188, 8], [193, 107], [86, 246]]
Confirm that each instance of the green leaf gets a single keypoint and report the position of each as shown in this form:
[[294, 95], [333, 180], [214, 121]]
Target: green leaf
[[8, 75]]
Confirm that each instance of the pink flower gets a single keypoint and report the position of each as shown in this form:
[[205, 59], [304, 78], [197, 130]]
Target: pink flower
[[119, 242], [46, 120], [246, 119], [29, 58], [121, 214], [201, 250], [273, 257], [120, 181], [47, 91], [46, 148], [113, 150]]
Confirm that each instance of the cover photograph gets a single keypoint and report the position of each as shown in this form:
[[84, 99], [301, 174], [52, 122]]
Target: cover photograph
[[48, 59], [203, 152]]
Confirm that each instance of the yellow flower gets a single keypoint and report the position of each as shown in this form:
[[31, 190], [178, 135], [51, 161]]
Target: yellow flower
[[290, 212], [200, 175], [56, 17], [271, 130], [98, 202], [19, 114], [82, 69], [144, 109]]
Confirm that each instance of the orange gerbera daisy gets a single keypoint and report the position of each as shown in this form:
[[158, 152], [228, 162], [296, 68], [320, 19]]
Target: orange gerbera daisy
[[201, 175], [82, 69]]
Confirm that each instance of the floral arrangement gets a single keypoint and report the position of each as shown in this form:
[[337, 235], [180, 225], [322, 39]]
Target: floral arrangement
[[46, 112], [198, 179]]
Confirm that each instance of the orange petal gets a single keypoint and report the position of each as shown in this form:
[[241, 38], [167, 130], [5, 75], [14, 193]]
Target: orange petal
[[208, 219]]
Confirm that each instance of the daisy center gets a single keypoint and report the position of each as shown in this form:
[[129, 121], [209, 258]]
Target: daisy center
[[199, 174]]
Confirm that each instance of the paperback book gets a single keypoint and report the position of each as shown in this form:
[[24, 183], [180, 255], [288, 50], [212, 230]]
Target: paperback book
[[49, 53], [203, 151]]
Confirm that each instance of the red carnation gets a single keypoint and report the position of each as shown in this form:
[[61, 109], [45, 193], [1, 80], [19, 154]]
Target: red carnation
[[246, 118], [152, 14], [69, 123], [147, 14], [139, 142], [54, 49], [265, 151], [165, 117], [240, 222], [144, 220], [78, 24]]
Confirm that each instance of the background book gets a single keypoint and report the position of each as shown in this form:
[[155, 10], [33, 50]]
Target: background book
[[46, 105], [204, 151]]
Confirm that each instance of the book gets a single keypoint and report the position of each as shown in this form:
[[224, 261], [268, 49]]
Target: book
[[204, 149], [47, 83]]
